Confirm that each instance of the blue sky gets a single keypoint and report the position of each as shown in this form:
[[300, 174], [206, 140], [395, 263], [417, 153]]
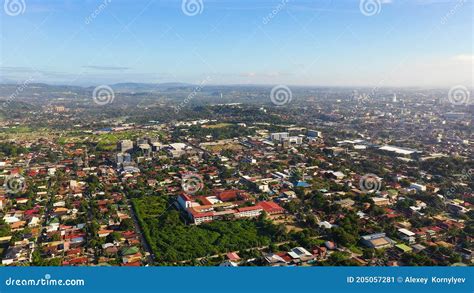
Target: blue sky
[[294, 42]]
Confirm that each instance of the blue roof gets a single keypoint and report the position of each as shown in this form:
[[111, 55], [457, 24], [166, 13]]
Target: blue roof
[[302, 184]]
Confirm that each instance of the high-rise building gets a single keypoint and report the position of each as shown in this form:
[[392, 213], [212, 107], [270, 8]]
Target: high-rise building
[[123, 159], [278, 136], [315, 133], [125, 145]]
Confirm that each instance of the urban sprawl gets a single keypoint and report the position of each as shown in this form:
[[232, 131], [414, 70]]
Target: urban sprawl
[[230, 176]]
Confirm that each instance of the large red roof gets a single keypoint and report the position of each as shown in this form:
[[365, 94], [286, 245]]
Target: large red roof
[[271, 207], [185, 197], [197, 214], [246, 209], [228, 195]]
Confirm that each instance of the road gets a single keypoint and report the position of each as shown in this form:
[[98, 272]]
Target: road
[[146, 245]]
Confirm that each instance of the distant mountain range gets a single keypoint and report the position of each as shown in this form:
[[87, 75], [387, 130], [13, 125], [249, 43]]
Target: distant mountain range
[[134, 86], [130, 87], [119, 87], [11, 85]]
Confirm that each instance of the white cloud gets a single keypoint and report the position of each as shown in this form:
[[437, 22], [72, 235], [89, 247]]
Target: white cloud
[[464, 58]]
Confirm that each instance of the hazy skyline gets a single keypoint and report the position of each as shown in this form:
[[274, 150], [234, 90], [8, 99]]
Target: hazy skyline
[[333, 43]]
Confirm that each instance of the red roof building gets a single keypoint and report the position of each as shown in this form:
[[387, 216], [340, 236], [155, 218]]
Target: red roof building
[[271, 207], [228, 195], [232, 256]]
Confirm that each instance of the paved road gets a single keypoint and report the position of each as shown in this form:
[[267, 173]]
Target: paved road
[[146, 246]]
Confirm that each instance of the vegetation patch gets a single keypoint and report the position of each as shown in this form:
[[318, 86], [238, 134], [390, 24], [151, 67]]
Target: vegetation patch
[[171, 240]]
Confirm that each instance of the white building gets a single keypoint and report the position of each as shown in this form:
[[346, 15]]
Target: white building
[[125, 145], [407, 235], [315, 133], [278, 136], [418, 187], [248, 212], [292, 140], [185, 202]]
